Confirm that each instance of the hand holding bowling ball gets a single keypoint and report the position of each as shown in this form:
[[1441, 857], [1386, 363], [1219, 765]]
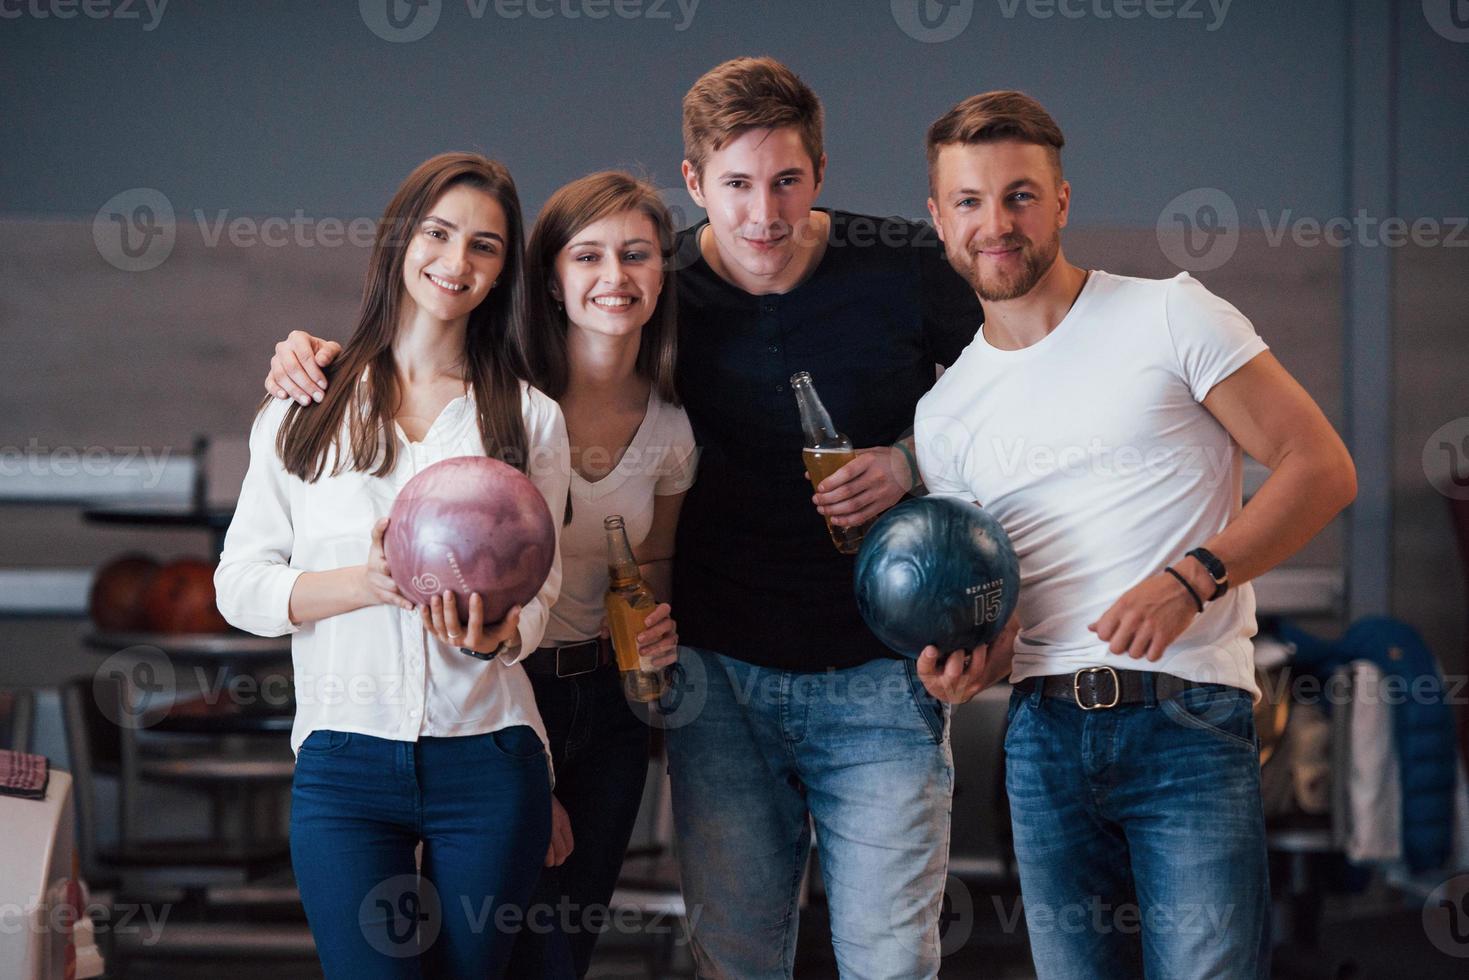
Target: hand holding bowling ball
[[441, 618], [470, 525], [377, 582], [956, 676], [936, 571]]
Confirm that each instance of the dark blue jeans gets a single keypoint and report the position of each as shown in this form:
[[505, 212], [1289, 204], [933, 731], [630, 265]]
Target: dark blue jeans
[[1140, 836], [481, 805], [601, 753]]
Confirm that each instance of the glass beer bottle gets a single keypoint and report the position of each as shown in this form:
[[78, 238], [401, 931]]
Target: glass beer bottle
[[628, 601], [827, 451]]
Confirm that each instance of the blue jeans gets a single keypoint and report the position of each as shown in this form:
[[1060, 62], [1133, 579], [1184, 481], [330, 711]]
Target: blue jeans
[[864, 754], [601, 752], [1140, 836], [481, 805]]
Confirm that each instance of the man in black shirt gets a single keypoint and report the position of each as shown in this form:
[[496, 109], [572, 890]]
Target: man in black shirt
[[803, 713]]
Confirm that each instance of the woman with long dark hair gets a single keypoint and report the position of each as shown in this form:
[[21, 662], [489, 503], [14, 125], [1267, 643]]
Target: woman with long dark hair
[[602, 341], [402, 740]]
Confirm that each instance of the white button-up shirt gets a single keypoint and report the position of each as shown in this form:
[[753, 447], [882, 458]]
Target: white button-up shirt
[[376, 670]]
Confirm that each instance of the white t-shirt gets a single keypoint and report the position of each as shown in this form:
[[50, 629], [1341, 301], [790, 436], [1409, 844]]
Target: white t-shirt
[[1093, 450], [659, 461], [376, 670]]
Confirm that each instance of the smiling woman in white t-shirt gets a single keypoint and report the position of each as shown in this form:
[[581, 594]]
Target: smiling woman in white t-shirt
[[401, 739], [603, 344]]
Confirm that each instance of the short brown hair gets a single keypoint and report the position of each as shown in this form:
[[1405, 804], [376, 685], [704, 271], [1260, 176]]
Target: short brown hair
[[744, 94], [993, 116]]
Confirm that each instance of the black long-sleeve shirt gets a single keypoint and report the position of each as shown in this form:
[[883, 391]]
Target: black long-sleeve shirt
[[756, 576]]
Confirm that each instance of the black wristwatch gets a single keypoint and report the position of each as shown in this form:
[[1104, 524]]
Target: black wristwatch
[[505, 647], [1214, 567]]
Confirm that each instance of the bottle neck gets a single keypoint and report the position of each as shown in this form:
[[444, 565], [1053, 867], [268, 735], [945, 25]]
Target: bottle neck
[[816, 425], [622, 566]]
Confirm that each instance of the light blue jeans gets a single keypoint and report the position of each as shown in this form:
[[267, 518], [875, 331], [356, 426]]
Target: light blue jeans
[[1140, 836], [864, 754]]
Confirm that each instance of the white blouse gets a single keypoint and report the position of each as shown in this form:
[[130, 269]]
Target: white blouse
[[377, 670]]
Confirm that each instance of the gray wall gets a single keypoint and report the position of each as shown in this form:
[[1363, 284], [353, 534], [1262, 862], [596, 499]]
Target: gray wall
[[248, 110]]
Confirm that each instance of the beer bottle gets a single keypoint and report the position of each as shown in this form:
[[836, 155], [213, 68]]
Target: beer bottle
[[827, 451], [629, 601]]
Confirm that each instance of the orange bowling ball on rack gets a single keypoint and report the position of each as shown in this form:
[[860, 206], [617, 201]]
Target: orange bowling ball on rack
[[180, 599], [118, 589]]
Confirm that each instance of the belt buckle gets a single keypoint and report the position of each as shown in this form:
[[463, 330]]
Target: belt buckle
[[586, 646], [1076, 688]]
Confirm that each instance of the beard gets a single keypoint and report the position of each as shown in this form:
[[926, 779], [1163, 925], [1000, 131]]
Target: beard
[[1035, 262]]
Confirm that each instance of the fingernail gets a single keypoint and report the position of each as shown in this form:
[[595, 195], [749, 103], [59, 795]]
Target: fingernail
[[316, 396], [303, 399], [321, 385]]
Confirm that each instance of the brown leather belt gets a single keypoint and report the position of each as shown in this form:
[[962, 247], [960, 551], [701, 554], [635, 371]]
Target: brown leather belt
[[1107, 687], [571, 660]]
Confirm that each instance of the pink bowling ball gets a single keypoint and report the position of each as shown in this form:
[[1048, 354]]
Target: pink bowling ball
[[471, 524]]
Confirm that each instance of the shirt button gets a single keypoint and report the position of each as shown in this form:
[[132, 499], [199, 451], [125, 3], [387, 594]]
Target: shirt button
[[768, 308], [780, 387], [413, 713], [774, 349]]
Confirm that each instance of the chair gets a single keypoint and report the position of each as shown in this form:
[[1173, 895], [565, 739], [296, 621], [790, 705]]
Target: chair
[[97, 746]]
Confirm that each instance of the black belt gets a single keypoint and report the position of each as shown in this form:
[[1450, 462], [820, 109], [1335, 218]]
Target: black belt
[[570, 660], [1108, 687]]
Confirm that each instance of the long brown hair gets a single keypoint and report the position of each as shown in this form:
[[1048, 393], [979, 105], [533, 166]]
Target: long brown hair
[[493, 342], [569, 210]]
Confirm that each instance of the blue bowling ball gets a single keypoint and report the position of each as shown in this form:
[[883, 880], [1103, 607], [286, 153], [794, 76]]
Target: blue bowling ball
[[936, 570]]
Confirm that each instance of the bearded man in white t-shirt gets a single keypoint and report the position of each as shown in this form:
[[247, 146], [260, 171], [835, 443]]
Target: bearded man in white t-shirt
[[1101, 419]]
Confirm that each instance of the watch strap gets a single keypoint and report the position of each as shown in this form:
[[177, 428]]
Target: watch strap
[[1214, 567]]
